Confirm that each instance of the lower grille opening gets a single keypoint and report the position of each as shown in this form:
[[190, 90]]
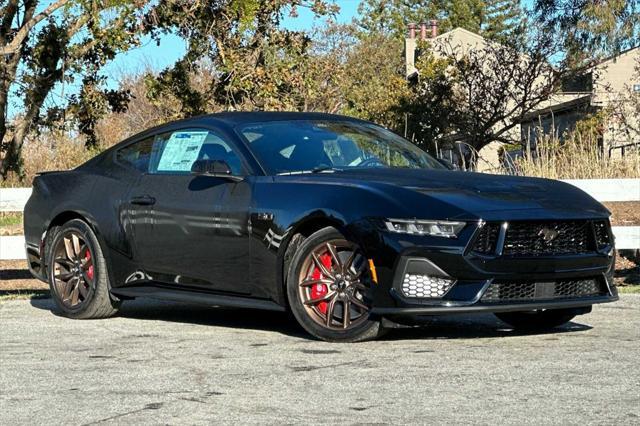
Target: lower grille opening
[[425, 286], [514, 291]]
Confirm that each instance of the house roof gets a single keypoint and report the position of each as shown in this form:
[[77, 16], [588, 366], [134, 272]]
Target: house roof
[[556, 108], [615, 57], [462, 31]]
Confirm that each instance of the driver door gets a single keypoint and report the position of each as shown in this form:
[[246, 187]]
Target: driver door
[[198, 232]]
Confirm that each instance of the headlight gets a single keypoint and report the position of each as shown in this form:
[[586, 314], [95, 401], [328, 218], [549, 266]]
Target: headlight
[[436, 228]]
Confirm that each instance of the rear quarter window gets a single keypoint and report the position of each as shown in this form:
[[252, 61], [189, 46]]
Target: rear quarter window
[[136, 155]]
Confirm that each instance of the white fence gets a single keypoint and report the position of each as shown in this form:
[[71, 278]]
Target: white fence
[[627, 237], [13, 199], [609, 189]]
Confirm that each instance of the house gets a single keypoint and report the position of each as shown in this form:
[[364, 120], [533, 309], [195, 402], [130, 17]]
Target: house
[[458, 41], [608, 85], [605, 85]]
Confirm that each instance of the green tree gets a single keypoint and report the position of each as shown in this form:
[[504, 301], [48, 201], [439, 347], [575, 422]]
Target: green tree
[[431, 102], [250, 61], [468, 14], [373, 84], [392, 17], [504, 20], [44, 43], [591, 29]]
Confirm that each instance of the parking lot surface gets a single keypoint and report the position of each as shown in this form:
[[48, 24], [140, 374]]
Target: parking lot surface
[[165, 363]]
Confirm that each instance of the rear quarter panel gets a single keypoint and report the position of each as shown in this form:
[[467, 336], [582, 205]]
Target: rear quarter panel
[[54, 193], [96, 194]]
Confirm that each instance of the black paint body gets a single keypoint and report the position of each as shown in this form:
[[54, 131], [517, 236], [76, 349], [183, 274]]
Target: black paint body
[[222, 241]]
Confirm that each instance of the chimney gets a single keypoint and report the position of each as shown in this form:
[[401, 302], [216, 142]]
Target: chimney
[[423, 30], [410, 44], [412, 31], [434, 28]]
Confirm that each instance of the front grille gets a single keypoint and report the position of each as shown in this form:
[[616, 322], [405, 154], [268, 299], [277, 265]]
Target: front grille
[[543, 238], [518, 291], [547, 238]]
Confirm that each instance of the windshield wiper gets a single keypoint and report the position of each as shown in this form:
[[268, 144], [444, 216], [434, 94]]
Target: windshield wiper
[[320, 169]]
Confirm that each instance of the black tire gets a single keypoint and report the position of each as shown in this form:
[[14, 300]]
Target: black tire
[[367, 329], [536, 320], [98, 302]]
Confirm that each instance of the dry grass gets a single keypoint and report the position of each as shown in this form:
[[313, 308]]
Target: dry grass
[[10, 223], [55, 150], [577, 156]]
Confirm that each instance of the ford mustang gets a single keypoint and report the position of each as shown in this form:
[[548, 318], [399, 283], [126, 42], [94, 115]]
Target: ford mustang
[[341, 222]]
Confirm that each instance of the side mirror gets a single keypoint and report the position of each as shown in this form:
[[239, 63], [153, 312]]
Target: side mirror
[[216, 168]]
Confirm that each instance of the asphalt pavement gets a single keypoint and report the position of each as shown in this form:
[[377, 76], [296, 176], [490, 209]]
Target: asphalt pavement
[[166, 363]]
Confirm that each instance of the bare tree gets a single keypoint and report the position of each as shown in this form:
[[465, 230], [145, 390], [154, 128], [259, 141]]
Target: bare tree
[[479, 95]]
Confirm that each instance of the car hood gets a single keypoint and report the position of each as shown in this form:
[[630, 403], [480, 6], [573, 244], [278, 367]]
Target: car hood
[[477, 193]]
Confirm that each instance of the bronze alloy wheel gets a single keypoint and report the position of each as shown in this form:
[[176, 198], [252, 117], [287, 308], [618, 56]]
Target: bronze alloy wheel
[[332, 285], [73, 270]]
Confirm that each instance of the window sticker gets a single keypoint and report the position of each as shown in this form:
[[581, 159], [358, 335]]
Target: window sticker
[[181, 151]]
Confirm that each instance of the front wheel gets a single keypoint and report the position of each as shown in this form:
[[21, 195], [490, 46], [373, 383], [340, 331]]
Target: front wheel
[[77, 272], [536, 320], [328, 286]]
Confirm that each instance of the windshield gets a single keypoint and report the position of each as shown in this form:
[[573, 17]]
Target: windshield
[[317, 145]]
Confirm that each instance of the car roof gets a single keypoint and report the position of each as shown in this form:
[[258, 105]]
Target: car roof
[[235, 118]]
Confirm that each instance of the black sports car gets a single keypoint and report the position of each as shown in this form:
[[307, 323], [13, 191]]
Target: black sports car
[[349, 226]]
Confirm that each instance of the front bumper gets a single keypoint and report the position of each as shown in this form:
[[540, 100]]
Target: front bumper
[[473, 275], [445, 309]]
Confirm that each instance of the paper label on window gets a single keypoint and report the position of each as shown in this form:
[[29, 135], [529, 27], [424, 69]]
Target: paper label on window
[[181, 151]]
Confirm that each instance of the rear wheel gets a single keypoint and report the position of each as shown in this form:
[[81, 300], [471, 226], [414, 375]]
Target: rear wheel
[[328, 287], [536, 320], [77, 272]]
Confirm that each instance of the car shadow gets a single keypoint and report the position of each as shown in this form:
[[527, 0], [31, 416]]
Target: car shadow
[[15, 274], [474, 326], [160, 310], [449, 327]]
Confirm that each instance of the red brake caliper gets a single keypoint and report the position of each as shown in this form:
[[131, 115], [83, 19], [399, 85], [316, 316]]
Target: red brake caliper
[[87, 257], [319, 290]]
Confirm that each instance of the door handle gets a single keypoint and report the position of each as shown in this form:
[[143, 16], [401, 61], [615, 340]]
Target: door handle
[[143, 200]]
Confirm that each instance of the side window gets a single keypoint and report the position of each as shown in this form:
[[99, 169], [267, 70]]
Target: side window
[[136, 155], [175, 152]]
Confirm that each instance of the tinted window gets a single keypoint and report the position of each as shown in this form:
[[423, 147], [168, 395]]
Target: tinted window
[[136, 155], [303, 145], [176, 152]]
